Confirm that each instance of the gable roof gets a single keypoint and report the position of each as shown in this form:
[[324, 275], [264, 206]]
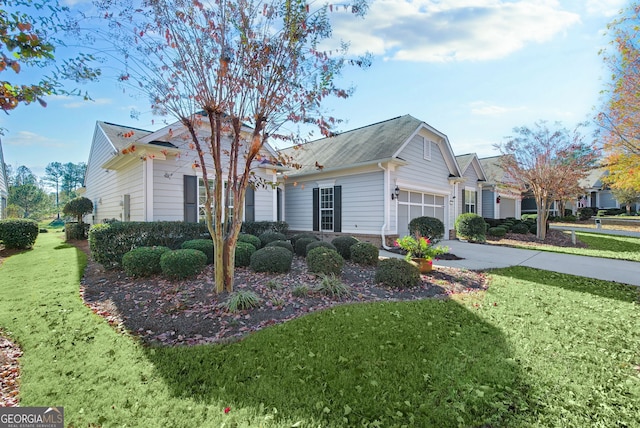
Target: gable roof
[[471, 160], [379, 142], [593, 180], [493, 169], [116, 134]]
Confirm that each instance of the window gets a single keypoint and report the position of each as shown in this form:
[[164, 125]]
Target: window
[[469, 201], [426, 145], [326, 209], [202, 199]]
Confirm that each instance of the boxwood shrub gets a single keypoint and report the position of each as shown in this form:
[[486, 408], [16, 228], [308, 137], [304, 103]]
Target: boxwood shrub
[[364, 253], [429, 227], [324, 261], [520, 228], [257, 228], [471, 226], [497, 232], [271, 236], [283, 244], [295, 238], [244, 250], [323, 244], [301, 246], [18, 233], [251, 239], [271, 259], [143, 261], [183, 263], [397, 273], [343, 245], [204, 245]]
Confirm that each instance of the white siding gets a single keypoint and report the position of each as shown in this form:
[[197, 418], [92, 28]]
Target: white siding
[[429, 173], [168, 189]]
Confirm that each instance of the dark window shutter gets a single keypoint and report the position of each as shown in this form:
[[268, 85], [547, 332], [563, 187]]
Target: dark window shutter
[[337, 208], [316, 209], [190, 183], [250, 204]]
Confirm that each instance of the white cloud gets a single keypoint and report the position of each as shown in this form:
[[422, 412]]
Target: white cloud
[[482, 108], [88, 103], [605, 7], [31, 139], [452, 30]]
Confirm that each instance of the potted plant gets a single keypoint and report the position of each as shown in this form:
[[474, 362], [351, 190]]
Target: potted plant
[[420, 250]]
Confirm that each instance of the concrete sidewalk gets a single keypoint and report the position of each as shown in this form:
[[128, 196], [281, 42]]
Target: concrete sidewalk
[[487, 256], [601, 231]]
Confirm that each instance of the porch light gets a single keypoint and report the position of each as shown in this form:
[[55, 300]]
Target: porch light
[[396, 193]]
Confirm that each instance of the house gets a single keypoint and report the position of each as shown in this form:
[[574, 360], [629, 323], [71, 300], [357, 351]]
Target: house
[[138, 175], [371, 181], [470, 194], [499, 200], [4, 187]]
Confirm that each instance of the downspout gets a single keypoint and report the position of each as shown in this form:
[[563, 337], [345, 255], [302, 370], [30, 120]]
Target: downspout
[[386, 206]]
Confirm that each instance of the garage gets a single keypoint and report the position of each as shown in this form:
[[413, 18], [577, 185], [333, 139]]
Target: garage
[[413, 204]]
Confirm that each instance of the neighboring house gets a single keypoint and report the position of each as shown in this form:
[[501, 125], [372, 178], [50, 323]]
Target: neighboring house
[[596, 194], [4, 187], [138, 175], [469, 196], [370, 182], [499, 200]]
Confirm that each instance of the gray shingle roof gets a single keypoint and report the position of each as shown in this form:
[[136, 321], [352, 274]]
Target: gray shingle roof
[[376, 142], [464, 161], [492, 169], [116, 134]]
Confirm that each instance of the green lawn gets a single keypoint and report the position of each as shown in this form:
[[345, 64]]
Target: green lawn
[[536, 349]]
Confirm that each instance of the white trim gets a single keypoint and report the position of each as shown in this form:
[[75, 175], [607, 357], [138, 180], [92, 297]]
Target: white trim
[[147, 186], [426, 148], [409, 185], [326, 183]]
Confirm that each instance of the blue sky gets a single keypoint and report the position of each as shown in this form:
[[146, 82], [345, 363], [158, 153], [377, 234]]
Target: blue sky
[[473, 69]]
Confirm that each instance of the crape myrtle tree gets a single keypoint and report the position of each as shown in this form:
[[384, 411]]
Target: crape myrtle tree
[[619, 117], [234, 74], [549, 162]]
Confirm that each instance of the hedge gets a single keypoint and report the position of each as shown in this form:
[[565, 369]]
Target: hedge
[[18, 233]]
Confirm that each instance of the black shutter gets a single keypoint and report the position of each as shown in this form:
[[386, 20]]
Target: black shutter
[[250, 204], [337, 208], [190, 183], [316, 209]]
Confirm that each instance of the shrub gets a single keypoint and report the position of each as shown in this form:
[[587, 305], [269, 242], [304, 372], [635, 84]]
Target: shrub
[[397, 273], [257, 228], [569, 218], [533, 228], [251, 239], [529, 217], [295, 238], [204, 245], [283, 244], [470, 226], [343, 245], [429, 227], [520, 228], [497, 232], [183, 263], [244, 250], [322, 260], [301, 246], [143, 261], [332, 286], [109, 242], [364, 253], [271, 236], [601, 213], [271, 259], [585, 213], [78, 207], [78, 231], [18, 233], [316, 244], [241, 300]]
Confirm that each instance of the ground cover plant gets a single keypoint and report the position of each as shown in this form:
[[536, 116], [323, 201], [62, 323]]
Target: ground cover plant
[[535, 349]]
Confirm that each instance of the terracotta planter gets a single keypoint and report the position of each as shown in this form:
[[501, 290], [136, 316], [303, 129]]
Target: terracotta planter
[[425, 265]]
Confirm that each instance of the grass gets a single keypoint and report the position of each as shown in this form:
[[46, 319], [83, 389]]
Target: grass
[[536, 349]]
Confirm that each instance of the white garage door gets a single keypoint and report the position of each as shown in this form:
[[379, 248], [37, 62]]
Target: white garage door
[[415, 204], [507, 207]]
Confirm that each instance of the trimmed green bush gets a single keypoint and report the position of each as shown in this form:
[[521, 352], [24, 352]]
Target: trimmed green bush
[[533, 228], [78, 231], [78, 207], [325, 261], [471, 226], [244, 250], [18, 233], [271, 259], [343, 245], [251, 239], [143, 261], [520, 228], [585, 213], [204, 245], [397, 273], [323, 244], [429, 227], [283, 244], [497, 232], [301, 246], [183, 263], [109, 242], [257, 228], [364, 253], [295, 238], [271, 236]]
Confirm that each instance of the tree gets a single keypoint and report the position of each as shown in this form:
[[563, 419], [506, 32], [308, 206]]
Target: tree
[[232, 73], [549, 162], [72, 177], [28, 197], [54, 173], [30, 30], [78, 207], [620, 115], [626, 197]]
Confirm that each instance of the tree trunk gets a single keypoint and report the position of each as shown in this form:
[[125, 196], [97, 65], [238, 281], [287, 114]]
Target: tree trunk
[[543, 215]]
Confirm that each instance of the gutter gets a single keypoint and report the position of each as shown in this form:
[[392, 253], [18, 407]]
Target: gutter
[[386, 207]]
